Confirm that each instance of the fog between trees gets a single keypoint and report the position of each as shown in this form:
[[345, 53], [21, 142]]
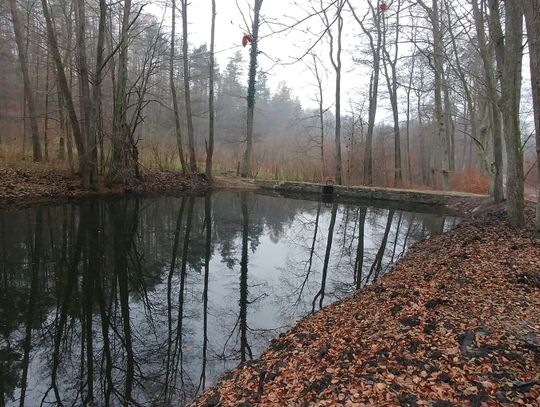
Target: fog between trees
[[113, 90]]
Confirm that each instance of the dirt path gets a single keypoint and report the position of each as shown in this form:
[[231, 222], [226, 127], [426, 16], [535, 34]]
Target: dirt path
[[456, 323]]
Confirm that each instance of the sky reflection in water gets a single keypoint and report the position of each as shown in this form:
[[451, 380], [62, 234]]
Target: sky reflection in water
[[151, 300]]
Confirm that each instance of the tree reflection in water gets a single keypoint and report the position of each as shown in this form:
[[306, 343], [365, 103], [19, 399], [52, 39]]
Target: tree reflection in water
[[147, 301]]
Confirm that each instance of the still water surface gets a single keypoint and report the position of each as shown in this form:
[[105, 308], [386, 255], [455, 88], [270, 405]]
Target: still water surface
[[147, 301]]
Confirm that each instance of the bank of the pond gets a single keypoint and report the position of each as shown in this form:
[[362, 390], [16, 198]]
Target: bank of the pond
[[455, 323], [37, 184], [401, 195]]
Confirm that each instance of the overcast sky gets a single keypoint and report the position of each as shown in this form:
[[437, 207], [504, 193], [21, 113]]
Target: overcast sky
[[279, 51]]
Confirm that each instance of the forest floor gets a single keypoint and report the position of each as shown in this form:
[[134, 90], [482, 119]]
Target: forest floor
[[455, 323], [37, 184]]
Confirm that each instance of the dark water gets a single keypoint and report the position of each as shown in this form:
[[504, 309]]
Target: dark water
[[151, 300]]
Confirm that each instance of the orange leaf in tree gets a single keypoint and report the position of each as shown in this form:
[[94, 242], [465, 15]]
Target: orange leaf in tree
[[383, 7], [246, 39]]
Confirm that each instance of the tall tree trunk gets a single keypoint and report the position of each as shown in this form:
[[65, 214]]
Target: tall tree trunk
[[511, 92], [176, 111], [438, 68], [337, 66], [495, 169], [375, 46], [94, 128], [47, 98], [66, 92], [187, 90], [408, 121], [497, 41], [120, 148], [84, 84], [450, 130], [28, 91], [246, 164], [440, 115], [336, 63], [391, 82], [320, 102], [532, 21], [211, 108], [425, 151]]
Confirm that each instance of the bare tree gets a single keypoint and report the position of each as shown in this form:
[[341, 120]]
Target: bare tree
[[120, 144], [251, 87], [187, 90], [94, 128], [47, 104], [408, 90], [335, 59], [509, 53], [532, 21], [28, 90], [375, 45], [391, 82], [438, 70], [211, 108], [321, 110], [176, 112], [88, 107], [66, 95], [490, 88]]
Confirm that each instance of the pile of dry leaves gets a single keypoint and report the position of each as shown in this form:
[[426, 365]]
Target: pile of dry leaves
[[456, 323], [38, 184]]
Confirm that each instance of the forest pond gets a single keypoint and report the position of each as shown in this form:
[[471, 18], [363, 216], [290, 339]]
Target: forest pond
[[150, 300]]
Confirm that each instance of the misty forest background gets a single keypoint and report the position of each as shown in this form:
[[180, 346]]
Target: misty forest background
[[114, 90]]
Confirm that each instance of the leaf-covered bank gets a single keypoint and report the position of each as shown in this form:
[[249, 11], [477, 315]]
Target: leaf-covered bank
[[456, 323], [20, 187]]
